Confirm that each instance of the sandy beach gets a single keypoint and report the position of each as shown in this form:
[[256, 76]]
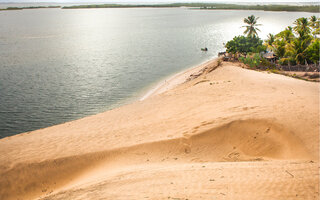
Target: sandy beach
[[217, 131], [178, 79]]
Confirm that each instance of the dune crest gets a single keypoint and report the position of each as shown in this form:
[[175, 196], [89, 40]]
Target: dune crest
[[241, 140]]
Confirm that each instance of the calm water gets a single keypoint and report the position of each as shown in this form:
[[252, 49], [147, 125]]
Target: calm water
[[60, 65]]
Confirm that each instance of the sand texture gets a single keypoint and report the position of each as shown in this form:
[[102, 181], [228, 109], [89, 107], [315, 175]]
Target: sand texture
[[226, 133]]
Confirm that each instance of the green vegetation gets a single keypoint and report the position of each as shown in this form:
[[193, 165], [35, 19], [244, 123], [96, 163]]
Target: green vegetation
[[255, 60], [243, 45], [31, 7], [252, 60], [247, 49], [298, 44], [214, 6], [251, 27], [289, 8], [118, 6], [249, 44], [11, 8]]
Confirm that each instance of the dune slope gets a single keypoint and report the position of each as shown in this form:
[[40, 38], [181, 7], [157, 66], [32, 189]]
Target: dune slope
[[228, 133]]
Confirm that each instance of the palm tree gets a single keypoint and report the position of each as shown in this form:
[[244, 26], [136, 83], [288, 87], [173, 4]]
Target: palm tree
[[279, 48], [286, 35], [315, 25], [314, 22], [269, 42], [302, 26], [270, 39], [298, 48], [251, 28], [313, 51]]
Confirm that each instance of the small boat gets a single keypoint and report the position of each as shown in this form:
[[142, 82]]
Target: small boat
[[204, 49]]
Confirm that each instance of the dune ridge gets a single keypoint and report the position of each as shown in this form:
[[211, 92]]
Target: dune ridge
[[241, 140], [236, 132]]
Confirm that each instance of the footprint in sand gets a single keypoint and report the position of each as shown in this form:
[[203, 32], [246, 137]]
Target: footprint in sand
[[187, 150], [268, 130]]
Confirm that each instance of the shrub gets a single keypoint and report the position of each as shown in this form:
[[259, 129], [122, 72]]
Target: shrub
[[245, 45], [313, 51], [266, 64], [253, 60], [287, 61]]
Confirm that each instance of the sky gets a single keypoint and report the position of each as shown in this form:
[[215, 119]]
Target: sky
[[153, 1]]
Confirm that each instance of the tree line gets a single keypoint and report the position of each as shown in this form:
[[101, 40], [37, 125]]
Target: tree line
[[297, 44]]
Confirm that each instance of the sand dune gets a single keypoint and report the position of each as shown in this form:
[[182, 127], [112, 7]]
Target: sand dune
[[228, 133]]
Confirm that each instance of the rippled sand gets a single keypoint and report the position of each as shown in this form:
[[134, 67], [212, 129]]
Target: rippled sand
[[230, 133]]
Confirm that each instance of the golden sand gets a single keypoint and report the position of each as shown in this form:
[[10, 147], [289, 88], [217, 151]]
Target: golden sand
[[230, 133]]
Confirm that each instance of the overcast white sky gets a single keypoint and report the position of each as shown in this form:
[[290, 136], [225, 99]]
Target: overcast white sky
[[153, 1]]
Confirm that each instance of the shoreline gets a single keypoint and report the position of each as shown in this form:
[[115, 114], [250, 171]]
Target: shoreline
[[175, 79], [165, 84]]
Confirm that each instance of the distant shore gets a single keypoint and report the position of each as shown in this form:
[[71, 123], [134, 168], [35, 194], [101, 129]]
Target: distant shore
[[202, 6], [28, 7], [213, 6]]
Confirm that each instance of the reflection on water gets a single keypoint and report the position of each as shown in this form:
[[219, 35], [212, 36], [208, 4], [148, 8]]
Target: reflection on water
[[59, 65]]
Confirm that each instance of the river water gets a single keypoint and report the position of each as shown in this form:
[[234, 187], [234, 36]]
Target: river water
[[59, 65]]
